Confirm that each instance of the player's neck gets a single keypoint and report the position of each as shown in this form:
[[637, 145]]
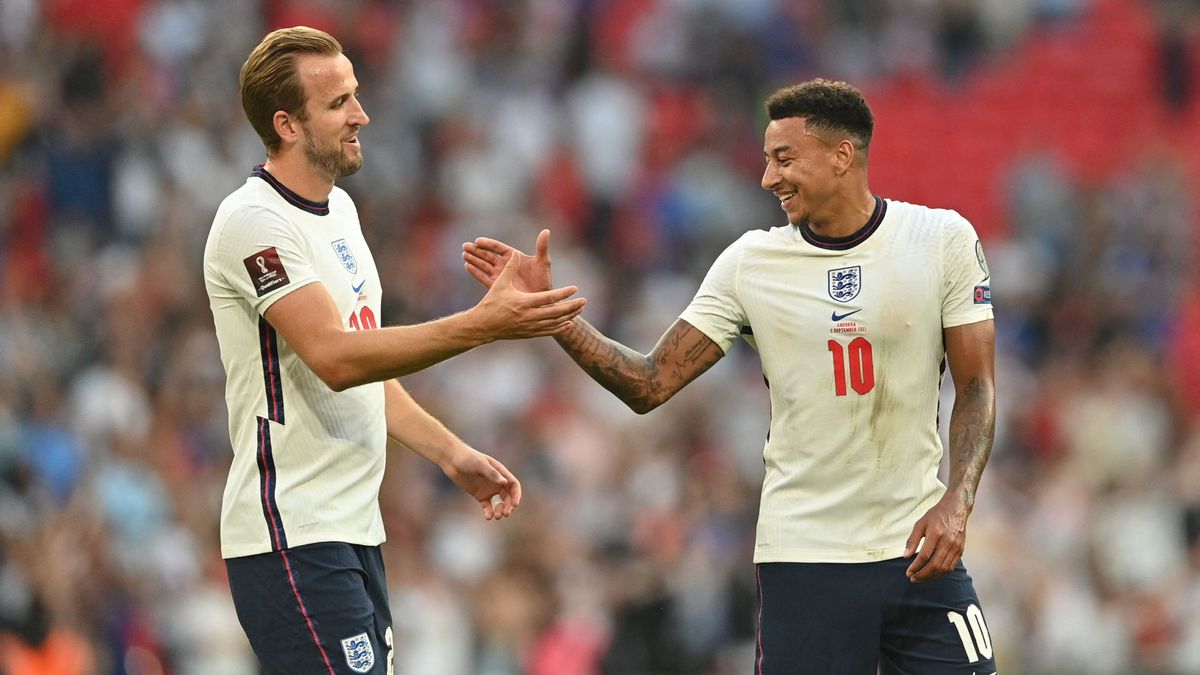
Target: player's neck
[[299, 177], [843, 217]]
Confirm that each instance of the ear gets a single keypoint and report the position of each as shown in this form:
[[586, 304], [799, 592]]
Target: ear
[[843, 156], [287, 126]]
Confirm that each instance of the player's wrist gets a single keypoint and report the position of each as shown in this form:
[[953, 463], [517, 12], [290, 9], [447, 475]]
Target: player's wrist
[[471, 327], [962, 497], [453, 457], [566, 336]]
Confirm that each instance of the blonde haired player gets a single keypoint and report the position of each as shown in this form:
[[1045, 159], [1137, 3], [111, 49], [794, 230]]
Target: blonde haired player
[[295, 297]]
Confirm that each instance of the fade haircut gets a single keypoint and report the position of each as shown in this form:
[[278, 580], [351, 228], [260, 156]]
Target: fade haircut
[[269, 80], [827, 107]]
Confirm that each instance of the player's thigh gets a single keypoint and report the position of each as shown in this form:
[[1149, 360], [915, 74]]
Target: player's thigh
[[817, 619], [371, 558], [310, 610], [934, 628]]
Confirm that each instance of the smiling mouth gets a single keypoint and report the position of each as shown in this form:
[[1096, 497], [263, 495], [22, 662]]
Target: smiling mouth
[[785, 198]]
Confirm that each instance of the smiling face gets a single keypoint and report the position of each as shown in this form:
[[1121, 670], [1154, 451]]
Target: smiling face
[[333, 115], [802, 168]]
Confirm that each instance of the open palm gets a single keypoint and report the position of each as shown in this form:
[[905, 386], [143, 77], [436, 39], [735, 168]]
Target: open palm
[[485, 258]]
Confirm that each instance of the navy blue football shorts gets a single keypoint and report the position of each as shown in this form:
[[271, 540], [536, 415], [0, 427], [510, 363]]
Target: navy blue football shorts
[[320, 608], [868, 618]]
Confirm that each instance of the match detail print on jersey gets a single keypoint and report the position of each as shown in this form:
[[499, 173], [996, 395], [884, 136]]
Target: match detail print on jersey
[[266, 271]]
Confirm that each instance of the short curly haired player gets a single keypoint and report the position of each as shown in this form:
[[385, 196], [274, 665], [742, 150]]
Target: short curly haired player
[[295, 297], [855, 306]]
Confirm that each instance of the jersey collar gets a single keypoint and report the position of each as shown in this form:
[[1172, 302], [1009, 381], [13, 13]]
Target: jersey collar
[[848, 242], [315, 208]]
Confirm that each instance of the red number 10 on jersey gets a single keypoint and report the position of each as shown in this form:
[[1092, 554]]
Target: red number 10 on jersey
[[363, 320], [861, 366]]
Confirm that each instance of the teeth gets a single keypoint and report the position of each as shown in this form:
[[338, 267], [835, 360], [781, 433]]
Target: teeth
[[784, 198]]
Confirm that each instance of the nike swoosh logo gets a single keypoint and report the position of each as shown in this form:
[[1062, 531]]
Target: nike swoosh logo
[[839, 317], [359, 286]]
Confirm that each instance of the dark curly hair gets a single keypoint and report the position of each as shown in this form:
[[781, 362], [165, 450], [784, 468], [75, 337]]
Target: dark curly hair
[[827, 106]]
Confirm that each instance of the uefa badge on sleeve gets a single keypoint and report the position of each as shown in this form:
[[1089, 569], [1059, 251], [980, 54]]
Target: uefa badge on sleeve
[[360, 656], [983, 295]]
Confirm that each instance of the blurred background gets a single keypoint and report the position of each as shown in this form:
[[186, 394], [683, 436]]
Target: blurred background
[[1067, 131]]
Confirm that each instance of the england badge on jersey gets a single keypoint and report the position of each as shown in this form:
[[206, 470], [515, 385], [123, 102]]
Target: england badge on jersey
[[360, 656], [845, 283], [342, 249]]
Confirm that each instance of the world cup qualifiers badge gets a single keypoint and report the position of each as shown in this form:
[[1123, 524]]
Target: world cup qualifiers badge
[[265, 270]]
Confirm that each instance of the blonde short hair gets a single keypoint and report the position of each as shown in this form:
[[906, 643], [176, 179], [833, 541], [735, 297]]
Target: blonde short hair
[[269, 81]]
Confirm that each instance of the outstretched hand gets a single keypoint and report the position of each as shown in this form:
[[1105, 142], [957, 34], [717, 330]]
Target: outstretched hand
[[486, 258], [487, 480], [520, 301], [944, 530]]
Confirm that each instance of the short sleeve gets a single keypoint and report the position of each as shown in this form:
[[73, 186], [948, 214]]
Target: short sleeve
[[262, 257], [966, 281], [716, 310]]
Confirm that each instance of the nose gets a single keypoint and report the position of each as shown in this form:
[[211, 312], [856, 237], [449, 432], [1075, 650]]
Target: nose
[[770, 176], [359, 114]]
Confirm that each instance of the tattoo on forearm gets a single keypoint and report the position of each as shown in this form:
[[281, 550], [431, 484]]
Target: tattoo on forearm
[[972, 430], [641, 381]]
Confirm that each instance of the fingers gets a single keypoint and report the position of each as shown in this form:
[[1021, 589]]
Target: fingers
[[913, 547], [541, 249], [501, 504], [554, 318], [552, 296], [486, 259], [479, 275], [483, 260], [914, 539], [493, 246], [510, 496], [916, 569], [937, 557]]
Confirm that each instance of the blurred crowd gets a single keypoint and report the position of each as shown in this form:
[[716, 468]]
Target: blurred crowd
[[632, 129]]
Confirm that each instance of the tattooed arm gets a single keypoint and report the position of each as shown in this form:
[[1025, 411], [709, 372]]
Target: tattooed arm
[[642, 381], [970, 350]]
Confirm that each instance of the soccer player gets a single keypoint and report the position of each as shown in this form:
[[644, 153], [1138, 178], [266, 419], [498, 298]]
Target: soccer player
[[295, 297], [854, 307]]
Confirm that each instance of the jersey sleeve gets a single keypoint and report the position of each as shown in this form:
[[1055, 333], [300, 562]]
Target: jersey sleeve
[[966, 281], [261, 257], [716, 310]]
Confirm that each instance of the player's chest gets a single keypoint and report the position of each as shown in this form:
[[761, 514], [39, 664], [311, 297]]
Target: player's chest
[[343, 262], [812, 297]]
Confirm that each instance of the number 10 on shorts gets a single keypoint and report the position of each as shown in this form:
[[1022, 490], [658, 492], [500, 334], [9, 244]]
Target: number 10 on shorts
[[973, 632]]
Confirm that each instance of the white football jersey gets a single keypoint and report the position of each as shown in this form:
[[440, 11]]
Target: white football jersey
[[307, 461], [849, 332]]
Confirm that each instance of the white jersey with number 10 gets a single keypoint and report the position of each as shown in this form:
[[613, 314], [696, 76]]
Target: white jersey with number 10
[[307, 461], [849, 333]]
